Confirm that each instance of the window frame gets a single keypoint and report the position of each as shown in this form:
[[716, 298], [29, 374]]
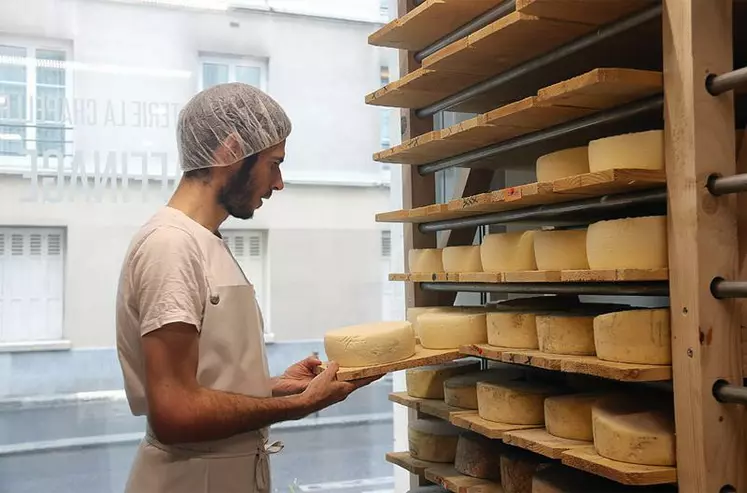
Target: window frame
[[232, 61]]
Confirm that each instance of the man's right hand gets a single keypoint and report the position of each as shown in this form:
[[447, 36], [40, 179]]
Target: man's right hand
[[325, 390]]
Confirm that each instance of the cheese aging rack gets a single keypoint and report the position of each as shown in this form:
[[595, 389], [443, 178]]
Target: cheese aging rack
[[540, 76]]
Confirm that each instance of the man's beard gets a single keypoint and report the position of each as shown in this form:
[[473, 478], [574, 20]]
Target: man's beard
[[236, 195]]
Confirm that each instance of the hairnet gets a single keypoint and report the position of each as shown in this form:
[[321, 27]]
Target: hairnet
[[251, 118]]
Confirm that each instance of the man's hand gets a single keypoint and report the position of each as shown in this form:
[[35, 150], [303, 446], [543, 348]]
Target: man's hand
[[296, 378], [325, 390]]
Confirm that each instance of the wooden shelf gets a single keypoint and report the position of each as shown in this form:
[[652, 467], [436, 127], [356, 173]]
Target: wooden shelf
[[432, 407], [585, 365], [422, 357], [490, 429], [586, 459], [619, 275], [589, 12], [539, 441], [409, 463], [448, 477], [577, 187]]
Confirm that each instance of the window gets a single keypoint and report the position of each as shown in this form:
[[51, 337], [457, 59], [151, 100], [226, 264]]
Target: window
[[220, 70], [385, 112], [31, 284]]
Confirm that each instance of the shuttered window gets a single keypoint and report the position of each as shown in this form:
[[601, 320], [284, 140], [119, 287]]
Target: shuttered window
[[248, 247]]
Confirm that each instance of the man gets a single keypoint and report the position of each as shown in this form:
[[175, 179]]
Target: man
[[189, 331]]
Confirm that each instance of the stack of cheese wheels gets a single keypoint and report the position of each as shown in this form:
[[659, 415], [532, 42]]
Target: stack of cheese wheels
[[370, 344], [425, 260], [632, 243], [561, 250], [634, 336], [414, 312], [570, 332], [449, 330], [515, 402], [461, 391], [569, 416], [427, 382], [512, 324], [561, 164], [508, 252], [461, 259], [640, 150], [634, 429], [479, 457], [432, 440], [517, 469]]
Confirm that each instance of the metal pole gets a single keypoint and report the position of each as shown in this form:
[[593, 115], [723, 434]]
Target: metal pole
[[729, 184], [719, 84], [729, 394], [722, 289], [606, 203], [574, 46], [492, 15], [654, 288], [609, 116]]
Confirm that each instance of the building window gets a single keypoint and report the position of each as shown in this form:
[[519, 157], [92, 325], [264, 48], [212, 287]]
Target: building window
[[31, 284], [386, 243], [385, 112], [220, 70]]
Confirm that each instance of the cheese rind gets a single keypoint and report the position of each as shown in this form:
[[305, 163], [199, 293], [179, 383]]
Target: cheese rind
[[432, 440], [451, 330], [633, 243], [425, 260], [569, 416], [370, 344], [478, 457], [512, 330], [519, 403], [563, 334], [508, 252], [634, 336], [640, 150], [427, 382], [564, 163], [517, 469], [561, 250], [461, 391], [461, 259]]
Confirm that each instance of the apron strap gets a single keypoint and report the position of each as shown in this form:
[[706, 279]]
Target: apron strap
[[262, 470]]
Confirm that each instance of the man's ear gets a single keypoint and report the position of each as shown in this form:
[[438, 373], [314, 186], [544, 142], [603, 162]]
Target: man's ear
[[229, 152]]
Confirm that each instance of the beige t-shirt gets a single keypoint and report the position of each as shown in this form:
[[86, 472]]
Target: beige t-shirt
[[168, 267]]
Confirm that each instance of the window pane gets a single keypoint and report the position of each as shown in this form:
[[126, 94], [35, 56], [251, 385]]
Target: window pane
[[13, 102], [50, 137], [50, 103], [214, 74], [50, 69], [12, 140], [248, 75], [12, 64]]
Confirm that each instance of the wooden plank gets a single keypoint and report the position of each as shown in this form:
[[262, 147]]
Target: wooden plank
[[619, 275], [421, 88], [422, 357], [609, 181], [586, 459], [533, 358], [533, 276], [699, 140], [532, 114], [594, 12], [472, 421], [409, 463], [539, 441], [489, 277], [403, 399], [439, 409], [399, 277], [448, 477]]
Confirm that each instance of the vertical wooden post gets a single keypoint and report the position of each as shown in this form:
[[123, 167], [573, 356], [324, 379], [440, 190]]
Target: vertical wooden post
[[699, 141]]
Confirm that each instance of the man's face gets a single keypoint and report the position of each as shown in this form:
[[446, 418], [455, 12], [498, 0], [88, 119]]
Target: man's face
[[252, 182]]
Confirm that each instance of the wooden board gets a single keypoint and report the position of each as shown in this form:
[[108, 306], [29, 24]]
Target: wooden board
[[409, 463], [422, 357], [586, 459], [585, 365], [448, 477], [539, 441], [432, 407], [472, 421], [564, 190], [619, 275], [594, 12]]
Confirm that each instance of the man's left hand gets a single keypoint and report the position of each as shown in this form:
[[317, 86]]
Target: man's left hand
[[296, 378]]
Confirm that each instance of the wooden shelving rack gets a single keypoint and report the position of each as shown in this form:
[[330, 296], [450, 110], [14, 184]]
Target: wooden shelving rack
[[543, 75]]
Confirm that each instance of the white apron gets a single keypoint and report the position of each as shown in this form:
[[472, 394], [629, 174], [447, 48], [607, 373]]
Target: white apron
[[232, 358]]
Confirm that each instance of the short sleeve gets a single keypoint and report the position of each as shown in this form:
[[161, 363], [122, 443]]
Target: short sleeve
[[168, 280]]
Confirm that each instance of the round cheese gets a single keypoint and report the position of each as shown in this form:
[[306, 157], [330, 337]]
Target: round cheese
[[451, 330], [462, 259], [569, 416], [432, 440], [634, 430], [478, 457], [425, 260], [517, 468], [566, 334], [560, 164], [461, 391], [641, 150], [634, 336], [517, 402], [370, 344], [512, 330], [560, 250], [427, 382], [633, 243], [508, 252]]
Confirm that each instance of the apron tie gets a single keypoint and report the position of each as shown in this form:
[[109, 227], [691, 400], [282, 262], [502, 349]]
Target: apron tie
[[262, 470]]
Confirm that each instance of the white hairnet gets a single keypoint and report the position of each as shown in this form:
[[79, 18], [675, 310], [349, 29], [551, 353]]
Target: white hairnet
[[251, 118]]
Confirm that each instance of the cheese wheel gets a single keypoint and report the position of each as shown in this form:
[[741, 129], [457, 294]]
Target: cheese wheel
[[370, 344], [518, 468], [560, 164], [569, 416], [640, 150], [427, 382], [633, 243], [451, 330], [565, 334], [432, 440], [478, 457], [634, 430], [516, 402], [561, 250], [516, 330], [462, 259], [634, 336], [425, 260], [461, 391], [508, 252]]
